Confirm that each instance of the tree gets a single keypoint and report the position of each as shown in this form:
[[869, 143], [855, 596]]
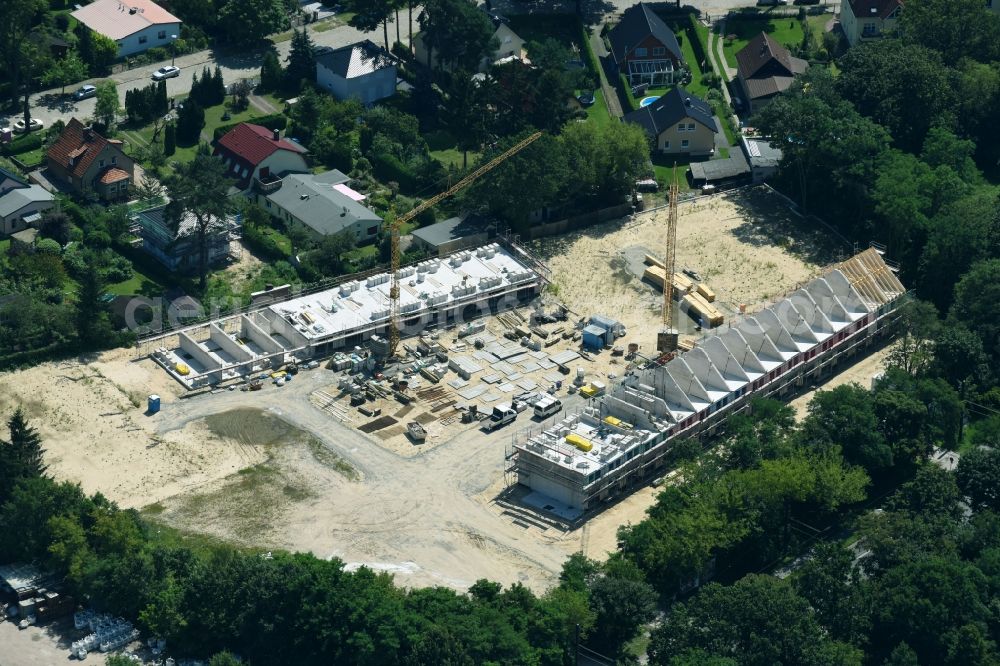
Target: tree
[[844, 418], [170, 140], [907, 103], [97, 50], [466, 114], [978, 477], [93, 320], [301, 62], [63, 72], [19, 17], [918, 328], [829, 149], [190, 121], [833, 586], [26, 445], [621, 606], [759, 620], [455, 32], [199, 189], [370, 14], [977, 303], [248, 22], [107, 105], [954, 28], [271, 74]]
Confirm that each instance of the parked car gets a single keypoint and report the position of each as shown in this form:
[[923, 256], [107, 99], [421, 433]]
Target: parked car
[[85, 91], [33, 126], [167, 72]]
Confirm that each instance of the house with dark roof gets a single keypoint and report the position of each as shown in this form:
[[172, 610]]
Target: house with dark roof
[[765, 69], [443, 238], [869, 19], [86, 161], [324, 204], [21, 203], [644, 49], [253, 152], [679, 123], [362, 70]]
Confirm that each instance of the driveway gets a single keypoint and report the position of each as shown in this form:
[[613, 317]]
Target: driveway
[[50, 105]]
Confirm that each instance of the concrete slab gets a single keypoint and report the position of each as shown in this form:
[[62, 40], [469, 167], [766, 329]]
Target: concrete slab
[[552, 376], [530, 366], [528, 384], [514, 376], [507, 387], [539, 355], [491, 379], [472, 392], [491, 397], [546, 503], [545, 364], [458, 383]]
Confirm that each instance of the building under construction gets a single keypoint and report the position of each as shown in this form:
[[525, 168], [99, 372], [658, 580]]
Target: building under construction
[[437, 293], [621, 439]]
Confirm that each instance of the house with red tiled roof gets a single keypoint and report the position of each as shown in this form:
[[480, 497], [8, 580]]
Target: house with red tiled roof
[[86, 161], [253, 152], [765, 69], [869, 19], [135, 25]]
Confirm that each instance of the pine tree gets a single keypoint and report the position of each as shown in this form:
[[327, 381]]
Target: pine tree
[[26, 445], [270, 72], [218, 87], [301, 62], [169, 140]]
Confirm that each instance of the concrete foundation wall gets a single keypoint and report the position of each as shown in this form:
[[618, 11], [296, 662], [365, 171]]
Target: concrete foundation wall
[[256, 333], [199, 353], [219, 337]]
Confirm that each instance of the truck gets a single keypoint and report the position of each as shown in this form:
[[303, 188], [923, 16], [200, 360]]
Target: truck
[[503, 414], [546, 407]]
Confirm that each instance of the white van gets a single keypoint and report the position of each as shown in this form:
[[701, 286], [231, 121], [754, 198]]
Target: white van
[[546, 407]]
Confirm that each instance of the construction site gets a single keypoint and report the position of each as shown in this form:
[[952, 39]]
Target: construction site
[[519, 418]]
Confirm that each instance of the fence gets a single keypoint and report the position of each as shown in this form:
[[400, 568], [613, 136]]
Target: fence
[[579, 221]]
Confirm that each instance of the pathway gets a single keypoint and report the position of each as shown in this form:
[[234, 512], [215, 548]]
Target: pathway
[[610, 94], [728, 73]]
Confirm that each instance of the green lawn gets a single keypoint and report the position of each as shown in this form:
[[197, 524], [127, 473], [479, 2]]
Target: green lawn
[[140, 284], [785, 31], [362, 252], [597, 112], [443, 147], [663, 168]]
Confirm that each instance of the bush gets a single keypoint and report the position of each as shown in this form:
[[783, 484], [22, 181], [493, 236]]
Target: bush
[[47, 246], [23, 144], [626, 90], [263, 243], [275, 121]]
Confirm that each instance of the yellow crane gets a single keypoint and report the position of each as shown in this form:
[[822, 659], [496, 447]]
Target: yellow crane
[[437, 198], [666, 340]]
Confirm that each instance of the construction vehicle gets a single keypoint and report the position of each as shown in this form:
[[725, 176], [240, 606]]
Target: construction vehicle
[[397, 223], [666, 339], [416, 432]]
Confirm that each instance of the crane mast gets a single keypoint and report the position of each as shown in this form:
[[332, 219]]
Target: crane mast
[[666, 340], [394, 326]]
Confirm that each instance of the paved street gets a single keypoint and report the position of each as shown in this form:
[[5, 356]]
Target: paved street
[[50, 105]]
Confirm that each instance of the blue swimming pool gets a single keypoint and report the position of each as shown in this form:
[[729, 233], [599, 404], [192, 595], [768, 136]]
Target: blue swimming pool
[[646, 101]]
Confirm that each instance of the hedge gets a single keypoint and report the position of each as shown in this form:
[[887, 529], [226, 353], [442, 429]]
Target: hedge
[[24, 144], [696, 44], [275, 121], [625, 90], [263, 243], [389, 168], [592, 60]]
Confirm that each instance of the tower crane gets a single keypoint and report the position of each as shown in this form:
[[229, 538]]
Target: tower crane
[[437, 198], [666, 340]]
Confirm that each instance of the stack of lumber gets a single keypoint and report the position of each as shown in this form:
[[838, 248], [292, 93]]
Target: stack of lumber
[[705, 310]]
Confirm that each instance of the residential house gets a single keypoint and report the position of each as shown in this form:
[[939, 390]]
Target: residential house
[[508, 46], [322, 203], [135, 25], [869, 19], [644, 49], [765, 69], [21, 203], [253, 152], [87, 162], [763, 156], [451, 235], [679, 123], [361, 70], [177, 247]]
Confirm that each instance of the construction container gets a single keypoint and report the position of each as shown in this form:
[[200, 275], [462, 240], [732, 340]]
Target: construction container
[[579, 442], [595, 337], [616, 328], [706, 292], [153, 404]]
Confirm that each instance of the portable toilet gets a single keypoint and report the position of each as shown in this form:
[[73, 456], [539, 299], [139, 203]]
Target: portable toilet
[[594, 337], [153, 404]]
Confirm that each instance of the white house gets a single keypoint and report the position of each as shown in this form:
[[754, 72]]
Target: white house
[[135, 25], [362, 70], [21, 203]]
